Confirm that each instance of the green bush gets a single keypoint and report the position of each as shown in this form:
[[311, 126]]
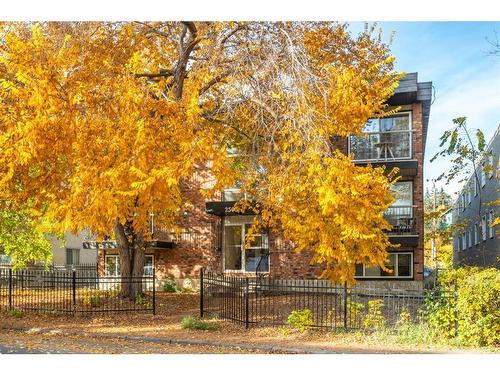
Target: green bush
[[170, 286], [190, 322], [15, 313], [374, 317], [478, 306], [472, 315], [92, 297], [301, 320], [143, 301]]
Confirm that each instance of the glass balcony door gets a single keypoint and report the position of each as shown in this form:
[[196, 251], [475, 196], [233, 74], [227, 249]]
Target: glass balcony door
[[236, 257], [386, 139], [400, 214]]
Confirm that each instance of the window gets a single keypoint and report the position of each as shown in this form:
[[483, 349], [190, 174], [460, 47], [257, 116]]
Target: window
[[149, 265], [483, 228], [399, 264], [467, 239], [72, 256], [236, 257], [386, 138], [477, 236], [491, 162], [4, 259], [483, 175], [112, 265], [474, 185], [463, 202], [464, 244], [473, 235], [491, 218]]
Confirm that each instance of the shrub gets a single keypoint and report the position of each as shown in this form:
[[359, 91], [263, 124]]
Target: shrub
[[355, 310], [478, 306], [374, 317], [404, 319], [170, 286], [190, 322], [472, 315], [114, 291], [143, 301], [301, 320], [15, 313], [440, 314], [92, 297]]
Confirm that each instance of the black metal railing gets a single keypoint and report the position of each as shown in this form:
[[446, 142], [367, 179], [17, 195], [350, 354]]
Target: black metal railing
[[267, 301], [62, 291], [401, 219], [381, 146]]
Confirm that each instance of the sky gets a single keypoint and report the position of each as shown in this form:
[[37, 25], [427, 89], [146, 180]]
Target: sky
[[454, 56]]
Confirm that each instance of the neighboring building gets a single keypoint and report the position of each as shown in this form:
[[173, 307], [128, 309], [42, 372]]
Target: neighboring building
[[73, 250], [446, 219], [471, 245], [213, 236]]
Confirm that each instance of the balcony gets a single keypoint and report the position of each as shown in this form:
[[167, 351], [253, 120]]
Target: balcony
[[381, 146], [402, 220]]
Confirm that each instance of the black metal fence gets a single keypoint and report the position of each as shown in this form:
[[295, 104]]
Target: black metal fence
[[268, 301], [75, 291]]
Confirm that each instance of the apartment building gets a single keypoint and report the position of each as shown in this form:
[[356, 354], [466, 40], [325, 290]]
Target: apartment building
[[213, 235], [475, 241]]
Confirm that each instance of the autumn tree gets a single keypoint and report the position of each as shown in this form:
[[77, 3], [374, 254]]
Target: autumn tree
[[23, 239], [438, 249], [102, 123]]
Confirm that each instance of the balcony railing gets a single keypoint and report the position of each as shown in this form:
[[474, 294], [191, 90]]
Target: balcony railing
[[391, 145], [402, 220]]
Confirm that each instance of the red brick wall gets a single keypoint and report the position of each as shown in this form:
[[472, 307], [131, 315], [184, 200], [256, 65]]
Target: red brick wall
[[199, 243]]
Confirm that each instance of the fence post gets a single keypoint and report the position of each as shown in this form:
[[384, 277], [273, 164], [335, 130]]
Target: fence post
[[201, 293], [345, 305], [10, 288], [154, 291], [246, 304], [74, 290]]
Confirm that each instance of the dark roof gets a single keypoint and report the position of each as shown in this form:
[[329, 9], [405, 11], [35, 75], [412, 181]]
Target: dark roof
[[410, 91]]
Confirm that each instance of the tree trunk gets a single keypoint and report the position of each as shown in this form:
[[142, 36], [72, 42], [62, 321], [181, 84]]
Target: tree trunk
[[131, 249]]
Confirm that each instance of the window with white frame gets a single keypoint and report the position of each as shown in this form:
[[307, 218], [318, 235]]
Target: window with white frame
[[473, 232], [112, 265], [463, 241], [483, 175], [467, 239], [236, 257], [469, 195], [72, 256], [491, 218], [400, 265], [483, 227], [149, 264], [474, 184], [464, 204]]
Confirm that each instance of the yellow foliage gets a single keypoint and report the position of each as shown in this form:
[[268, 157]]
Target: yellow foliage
[[107, 121]]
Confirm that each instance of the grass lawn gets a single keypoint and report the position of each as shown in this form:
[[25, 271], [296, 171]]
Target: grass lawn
[[171, 309]]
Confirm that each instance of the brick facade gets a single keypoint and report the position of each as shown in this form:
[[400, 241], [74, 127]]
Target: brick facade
[[200, 243]]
